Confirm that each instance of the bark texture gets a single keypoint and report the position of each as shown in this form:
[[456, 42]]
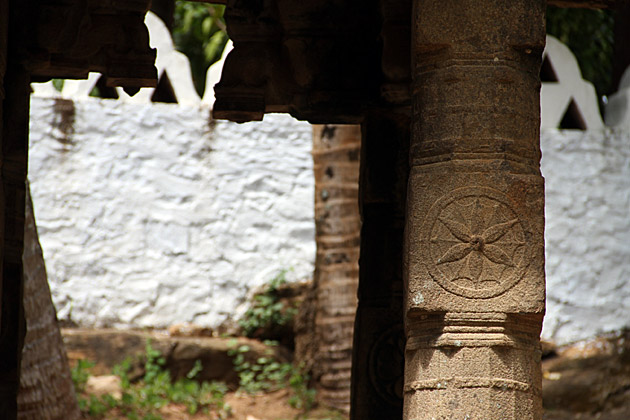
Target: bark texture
[[46, 389], [336, 150], [475, 293]]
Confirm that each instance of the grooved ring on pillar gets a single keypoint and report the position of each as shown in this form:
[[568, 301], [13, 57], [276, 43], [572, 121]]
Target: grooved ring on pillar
[[471, 382], [475, 244]]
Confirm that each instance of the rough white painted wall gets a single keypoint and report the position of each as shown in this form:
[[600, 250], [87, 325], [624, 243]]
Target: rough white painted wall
[[148, 215], [587, 178]]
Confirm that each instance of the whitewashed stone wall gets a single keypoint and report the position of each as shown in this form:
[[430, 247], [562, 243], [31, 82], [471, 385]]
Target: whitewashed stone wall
[[587, 179], [150, 215]]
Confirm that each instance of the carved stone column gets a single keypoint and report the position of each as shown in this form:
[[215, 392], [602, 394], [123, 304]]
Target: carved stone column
[[475, 291], [378, 350]]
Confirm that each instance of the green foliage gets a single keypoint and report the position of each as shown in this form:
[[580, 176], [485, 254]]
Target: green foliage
[[143, 400], [58, 84], [333, 414], [267, 374], [589, 35], [199, 32], [303, 397], [80, 374], [267, 310]]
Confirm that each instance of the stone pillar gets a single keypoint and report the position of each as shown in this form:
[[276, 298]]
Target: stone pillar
[[475, 292], [378, 350], [13, 195], [13, 162]]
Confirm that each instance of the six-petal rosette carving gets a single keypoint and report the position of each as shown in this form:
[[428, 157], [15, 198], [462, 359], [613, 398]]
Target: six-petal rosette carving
[[475, 243]]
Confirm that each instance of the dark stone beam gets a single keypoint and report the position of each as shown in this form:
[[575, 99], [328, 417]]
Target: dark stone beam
[[71, 38]]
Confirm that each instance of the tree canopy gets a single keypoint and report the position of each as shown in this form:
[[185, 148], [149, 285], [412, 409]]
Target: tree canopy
[[199, 32], [589, 34]]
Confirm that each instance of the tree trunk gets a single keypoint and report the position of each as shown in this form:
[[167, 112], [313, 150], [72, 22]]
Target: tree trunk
[[46, 389], [336, 150]]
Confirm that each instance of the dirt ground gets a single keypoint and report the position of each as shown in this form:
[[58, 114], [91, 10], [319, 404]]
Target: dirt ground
[[585, 381], [269, 406]]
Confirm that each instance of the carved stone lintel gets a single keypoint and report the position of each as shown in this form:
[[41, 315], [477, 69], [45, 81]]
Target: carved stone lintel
[[334, 61], [74, 37], [316, 60], [475, 215]]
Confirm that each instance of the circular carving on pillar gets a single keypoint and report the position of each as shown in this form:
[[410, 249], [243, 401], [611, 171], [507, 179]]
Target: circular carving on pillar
[[475, 244], [387, 365]]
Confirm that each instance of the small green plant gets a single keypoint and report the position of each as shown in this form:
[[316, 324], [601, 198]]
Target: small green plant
[[267, 310], [333, 414], [267, 374], [143, 400], [80, 374], [303, 397]]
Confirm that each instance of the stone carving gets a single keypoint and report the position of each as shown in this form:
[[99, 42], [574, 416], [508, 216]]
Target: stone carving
[[475, 243], [387, 378], [168, 62], [475, 276], [68, 39], [569, 90]]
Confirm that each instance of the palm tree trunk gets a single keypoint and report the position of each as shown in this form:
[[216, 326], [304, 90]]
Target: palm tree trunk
[[336, 151], [46, 389]]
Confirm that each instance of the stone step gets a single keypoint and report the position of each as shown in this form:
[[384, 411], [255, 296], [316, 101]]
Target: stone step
[[109, 347]]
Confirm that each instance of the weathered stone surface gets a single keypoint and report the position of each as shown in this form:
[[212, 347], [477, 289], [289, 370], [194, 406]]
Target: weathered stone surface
[[475, 217]]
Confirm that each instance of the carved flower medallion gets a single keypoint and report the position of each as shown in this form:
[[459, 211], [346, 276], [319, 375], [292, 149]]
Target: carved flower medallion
[[474, 243]]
